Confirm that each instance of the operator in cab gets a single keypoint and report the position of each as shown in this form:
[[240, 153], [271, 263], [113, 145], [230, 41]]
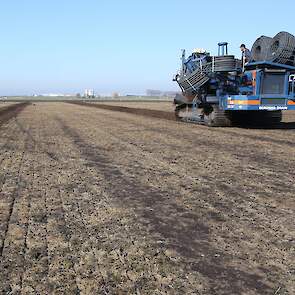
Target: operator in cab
[[246, 54]]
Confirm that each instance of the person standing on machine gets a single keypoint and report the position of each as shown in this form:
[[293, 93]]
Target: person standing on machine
[[246, 53]]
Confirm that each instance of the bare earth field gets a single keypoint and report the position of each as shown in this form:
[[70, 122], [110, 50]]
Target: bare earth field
[[95, 201], [5, 104], [160, 106]]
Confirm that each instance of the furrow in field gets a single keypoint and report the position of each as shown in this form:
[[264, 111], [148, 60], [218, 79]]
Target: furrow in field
[[14, 244]]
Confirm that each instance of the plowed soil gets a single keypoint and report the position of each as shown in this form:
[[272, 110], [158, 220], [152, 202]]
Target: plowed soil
[[97, 201], [4, 104], [152, 105]]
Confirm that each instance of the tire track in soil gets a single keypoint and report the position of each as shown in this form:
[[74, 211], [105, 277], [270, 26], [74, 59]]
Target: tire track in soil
[[8, 180], [127, 191], [35, 275], [32, 139], [12, 111], [171, 117], [15, 195], [7, 146], [62, 270], [14, 246], [29, 176], [6, 114], [14, 258]]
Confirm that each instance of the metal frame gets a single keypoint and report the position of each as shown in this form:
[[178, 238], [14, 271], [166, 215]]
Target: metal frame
[[264, 64]]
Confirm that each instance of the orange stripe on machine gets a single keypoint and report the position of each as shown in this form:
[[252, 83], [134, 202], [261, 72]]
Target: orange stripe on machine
[[245, 102]]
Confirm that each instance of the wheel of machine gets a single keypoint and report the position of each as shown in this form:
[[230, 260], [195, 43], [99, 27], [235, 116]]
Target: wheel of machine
[[215, 117]]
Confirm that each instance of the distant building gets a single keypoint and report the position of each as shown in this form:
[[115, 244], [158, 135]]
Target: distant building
[[89, 93]]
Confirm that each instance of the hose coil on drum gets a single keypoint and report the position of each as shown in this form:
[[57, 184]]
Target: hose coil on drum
[[260, 48], [224, 63], [279, 49], [282, 49]]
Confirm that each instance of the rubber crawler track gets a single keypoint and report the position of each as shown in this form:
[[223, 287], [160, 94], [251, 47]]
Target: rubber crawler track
[[9, 112], [136, 111]]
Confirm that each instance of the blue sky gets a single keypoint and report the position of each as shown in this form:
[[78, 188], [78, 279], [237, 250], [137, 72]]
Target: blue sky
[[125, 46]]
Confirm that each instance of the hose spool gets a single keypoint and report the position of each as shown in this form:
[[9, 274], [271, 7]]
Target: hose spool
[[282, 49], [261, 47], [224, 63], [279, 49]]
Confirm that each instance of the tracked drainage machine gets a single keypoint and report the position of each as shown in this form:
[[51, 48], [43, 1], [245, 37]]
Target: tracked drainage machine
[[224, 91]]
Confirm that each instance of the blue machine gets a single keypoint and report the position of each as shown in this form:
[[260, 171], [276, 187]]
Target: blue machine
[[222, 91], [272, 88]]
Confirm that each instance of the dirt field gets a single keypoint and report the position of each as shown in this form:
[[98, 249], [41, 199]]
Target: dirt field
[[5, 104], [160, 106], [95, 201]]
